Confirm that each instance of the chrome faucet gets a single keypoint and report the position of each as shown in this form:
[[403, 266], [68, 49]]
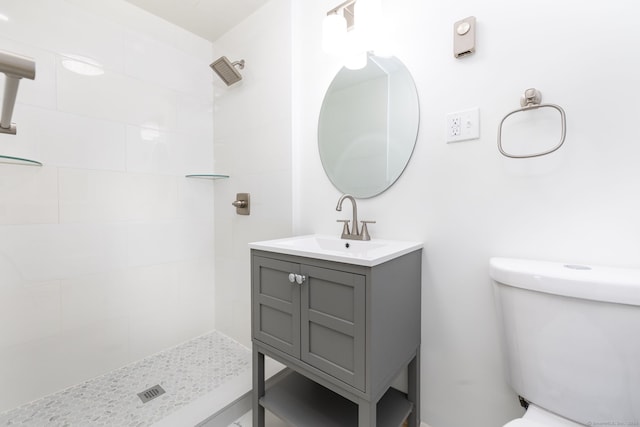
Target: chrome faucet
[[354, 233]]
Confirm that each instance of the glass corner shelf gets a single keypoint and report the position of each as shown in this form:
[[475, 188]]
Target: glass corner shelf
[[207, 176], [19, 161]]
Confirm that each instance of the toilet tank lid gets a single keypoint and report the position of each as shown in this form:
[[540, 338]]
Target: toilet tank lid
[[597, 283]]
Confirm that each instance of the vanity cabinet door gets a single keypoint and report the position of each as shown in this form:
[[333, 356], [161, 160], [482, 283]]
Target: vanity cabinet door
[[333, 323], [276, 304]]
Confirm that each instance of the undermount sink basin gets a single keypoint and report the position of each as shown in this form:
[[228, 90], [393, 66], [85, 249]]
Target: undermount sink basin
[[332, 248]]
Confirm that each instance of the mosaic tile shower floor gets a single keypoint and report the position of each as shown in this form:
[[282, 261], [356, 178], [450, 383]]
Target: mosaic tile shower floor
[[185, 372]]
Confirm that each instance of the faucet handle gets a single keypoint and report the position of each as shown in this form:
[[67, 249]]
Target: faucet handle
[[345, 228], [365, 231]]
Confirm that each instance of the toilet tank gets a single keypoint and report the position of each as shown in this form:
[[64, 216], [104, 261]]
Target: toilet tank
[[571, 338]]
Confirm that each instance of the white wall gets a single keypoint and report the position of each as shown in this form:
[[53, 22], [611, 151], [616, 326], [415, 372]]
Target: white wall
[[106, 251], [252, 124], [465, 201]]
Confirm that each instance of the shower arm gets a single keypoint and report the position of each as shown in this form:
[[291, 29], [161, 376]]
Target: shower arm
[[14, 67]]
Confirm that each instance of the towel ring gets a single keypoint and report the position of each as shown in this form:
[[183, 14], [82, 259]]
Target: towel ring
[[531, 101]]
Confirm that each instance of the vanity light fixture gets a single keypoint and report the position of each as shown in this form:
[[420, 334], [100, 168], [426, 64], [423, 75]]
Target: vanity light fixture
[[347, 11], [334, 30], [335, 26], [350, 30]]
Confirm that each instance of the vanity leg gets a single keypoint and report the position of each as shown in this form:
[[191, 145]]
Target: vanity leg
[[366, 414], [258, 388], [414, 389]]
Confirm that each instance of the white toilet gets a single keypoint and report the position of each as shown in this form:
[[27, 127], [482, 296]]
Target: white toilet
[[571, 339]]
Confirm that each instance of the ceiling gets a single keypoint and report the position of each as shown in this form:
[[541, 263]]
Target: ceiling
[[207, 18]]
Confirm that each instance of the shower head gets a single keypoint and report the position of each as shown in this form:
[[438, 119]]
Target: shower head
[[226, 70]]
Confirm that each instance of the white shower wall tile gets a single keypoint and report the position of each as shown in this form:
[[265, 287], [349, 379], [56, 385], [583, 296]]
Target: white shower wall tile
[[153, 289], [152, 60], [43, 366], [199, 160], [57, 251], [93, 196], [223, 149], [196, 199], [135, 19], [169, 304], [152, 197], [225, 268], [239, 299], [227, 103], [271, 193], [170, 241], [28, 195], [75, 141], [95, 298], [195, 113], [55, 26], [198, 237], [148, 335], [265, 156], [31, 371], [154, 243], [197, 293], [197, 309], [98, 322], [10, 275], [36, 309], [231, 317], [92, 349], [122, 98], [153, 150]]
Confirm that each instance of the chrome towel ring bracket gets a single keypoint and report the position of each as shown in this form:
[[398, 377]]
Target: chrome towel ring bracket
[[531, 101]]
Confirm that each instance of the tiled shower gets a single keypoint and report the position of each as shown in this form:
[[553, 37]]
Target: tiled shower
[[106, 251]]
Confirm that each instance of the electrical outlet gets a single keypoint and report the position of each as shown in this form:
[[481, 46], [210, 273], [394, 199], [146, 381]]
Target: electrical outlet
[[463, 125]]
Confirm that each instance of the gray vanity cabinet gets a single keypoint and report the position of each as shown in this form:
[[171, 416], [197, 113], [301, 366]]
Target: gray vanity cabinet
[[276, 305], [346, 331], [320, 320]]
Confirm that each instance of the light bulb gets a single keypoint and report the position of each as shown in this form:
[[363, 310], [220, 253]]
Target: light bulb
[[367, 16], [334, 30], [356, 61]]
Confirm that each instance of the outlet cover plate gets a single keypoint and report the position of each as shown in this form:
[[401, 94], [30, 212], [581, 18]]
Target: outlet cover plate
[[463, 125]]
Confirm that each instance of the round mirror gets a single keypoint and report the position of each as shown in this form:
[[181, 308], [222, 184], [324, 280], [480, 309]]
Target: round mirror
[[368, 126]]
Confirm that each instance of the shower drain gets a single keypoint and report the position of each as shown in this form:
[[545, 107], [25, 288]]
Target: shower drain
[[151, 393]]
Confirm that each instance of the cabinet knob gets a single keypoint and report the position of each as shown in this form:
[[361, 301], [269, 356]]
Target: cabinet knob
[[300, 279], [292, 277]]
